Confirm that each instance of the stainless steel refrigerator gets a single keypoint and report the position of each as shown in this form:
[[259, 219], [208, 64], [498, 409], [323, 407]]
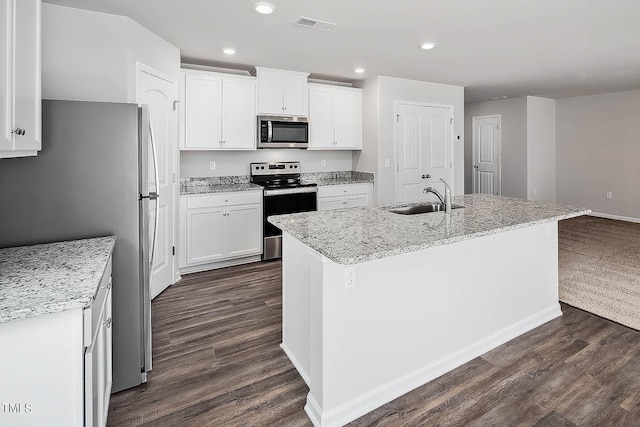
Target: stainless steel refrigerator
[[93, 177]]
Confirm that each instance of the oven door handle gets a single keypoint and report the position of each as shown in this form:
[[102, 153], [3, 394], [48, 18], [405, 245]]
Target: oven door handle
[[278, 192]]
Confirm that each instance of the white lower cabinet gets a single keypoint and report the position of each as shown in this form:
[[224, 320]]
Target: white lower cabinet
[[219, 229], [59, 369], [344, 196]]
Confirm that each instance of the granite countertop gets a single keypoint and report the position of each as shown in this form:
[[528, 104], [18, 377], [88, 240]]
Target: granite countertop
[[49, 278], [351, 236], [338, 178], [216, 184], [221, 184]]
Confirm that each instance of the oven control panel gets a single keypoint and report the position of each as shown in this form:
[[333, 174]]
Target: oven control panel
[[275, 168]]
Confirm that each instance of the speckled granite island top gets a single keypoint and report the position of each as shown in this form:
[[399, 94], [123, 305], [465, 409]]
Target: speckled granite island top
[[351, 236], [49, 278]]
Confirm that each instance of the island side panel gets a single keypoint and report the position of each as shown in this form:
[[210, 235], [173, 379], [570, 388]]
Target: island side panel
[[413, 317], [296, 304]]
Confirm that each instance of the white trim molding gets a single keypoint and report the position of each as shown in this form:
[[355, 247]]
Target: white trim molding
[[618, 217]]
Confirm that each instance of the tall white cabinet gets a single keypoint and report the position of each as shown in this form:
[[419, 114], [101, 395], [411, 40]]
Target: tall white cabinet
[[335, 117], [219, 111], [20, 70]]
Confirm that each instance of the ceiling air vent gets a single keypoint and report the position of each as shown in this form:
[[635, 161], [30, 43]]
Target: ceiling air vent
[[314, 24]]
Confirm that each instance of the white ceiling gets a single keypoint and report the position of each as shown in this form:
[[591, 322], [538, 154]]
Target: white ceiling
[[495, 48]]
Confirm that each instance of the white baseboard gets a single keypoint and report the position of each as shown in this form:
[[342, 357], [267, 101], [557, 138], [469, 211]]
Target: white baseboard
[[296, 364], [618, 217], [385, 393], [219, 264]]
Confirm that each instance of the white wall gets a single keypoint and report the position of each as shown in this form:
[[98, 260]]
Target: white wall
[[513, 143], [598, 150], [196, 163], [90, 56], [541, 149], [390, 89]]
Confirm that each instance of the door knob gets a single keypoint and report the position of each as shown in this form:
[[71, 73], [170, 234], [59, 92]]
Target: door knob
[[426, 176], [475, 166]]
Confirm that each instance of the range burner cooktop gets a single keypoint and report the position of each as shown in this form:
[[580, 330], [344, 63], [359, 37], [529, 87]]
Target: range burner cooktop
[[278, 175]]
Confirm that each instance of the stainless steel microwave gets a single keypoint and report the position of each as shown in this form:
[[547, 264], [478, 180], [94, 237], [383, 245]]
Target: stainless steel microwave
[[283, 132]]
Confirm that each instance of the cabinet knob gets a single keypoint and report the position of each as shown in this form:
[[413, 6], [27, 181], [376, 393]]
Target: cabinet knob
[[107, 323], [426, 176], [19, 131]]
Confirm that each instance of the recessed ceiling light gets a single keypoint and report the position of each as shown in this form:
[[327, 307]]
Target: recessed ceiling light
[[359, 70], [229, 51], [264, 8], [427, 45]]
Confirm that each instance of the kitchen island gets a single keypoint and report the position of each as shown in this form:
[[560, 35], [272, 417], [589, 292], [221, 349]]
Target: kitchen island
[[376, 304]]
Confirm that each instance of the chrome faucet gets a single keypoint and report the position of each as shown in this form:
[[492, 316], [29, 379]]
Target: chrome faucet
[[434, 191], [446, 200]]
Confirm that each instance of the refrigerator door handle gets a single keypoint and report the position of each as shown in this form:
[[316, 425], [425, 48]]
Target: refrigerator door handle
[[154, 195]]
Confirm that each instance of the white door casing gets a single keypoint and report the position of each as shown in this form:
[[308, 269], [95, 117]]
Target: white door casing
[[424, 149], [159, 92], [486, 168]]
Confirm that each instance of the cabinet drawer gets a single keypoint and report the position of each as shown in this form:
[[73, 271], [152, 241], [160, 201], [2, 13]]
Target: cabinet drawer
[[342, 190], [224, 199], [92, 314]]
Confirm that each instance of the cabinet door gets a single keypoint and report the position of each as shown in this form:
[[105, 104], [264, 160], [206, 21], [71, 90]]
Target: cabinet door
[[6, 76], [205, 237], [357, 200], [270, 88], [27, 95], [244, 230], [348, 118], [296, 94], [321, 117], [328, 203], [203, 111], [239, 114]]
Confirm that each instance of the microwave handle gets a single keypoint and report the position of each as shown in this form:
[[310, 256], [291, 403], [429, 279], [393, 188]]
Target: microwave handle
[[269, 131]]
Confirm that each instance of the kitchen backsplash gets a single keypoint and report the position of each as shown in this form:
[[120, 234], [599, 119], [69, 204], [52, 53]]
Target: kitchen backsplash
[[198, 163]]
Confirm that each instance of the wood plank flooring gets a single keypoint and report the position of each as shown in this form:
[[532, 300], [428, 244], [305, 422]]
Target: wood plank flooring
[[217, 362]]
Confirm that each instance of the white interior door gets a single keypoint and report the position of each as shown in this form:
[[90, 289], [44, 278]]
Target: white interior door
[[159, 93], [486, 155], [424, 142]]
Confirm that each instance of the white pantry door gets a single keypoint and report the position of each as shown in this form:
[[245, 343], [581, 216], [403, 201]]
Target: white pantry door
[[424, 143], [159, 92], [486, 155]]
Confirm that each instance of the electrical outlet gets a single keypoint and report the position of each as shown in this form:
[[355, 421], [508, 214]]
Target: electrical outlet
[[350, 277], [323, 163], [212, 165], [387, 163], [535, 191], [609, 195]]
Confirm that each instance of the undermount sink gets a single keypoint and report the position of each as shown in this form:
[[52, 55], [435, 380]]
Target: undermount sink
[[423, 208]]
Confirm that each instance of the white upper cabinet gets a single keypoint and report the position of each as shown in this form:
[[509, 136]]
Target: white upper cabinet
[[219, 111], [335, 117], [282, 92], [20, 71]]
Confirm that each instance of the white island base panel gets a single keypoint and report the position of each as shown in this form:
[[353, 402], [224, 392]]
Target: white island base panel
[[408, 319]]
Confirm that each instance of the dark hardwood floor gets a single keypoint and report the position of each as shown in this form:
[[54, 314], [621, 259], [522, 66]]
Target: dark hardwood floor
[[217, 362]]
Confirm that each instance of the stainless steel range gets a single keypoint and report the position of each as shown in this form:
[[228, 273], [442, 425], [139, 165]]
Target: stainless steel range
[[284, 193]]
